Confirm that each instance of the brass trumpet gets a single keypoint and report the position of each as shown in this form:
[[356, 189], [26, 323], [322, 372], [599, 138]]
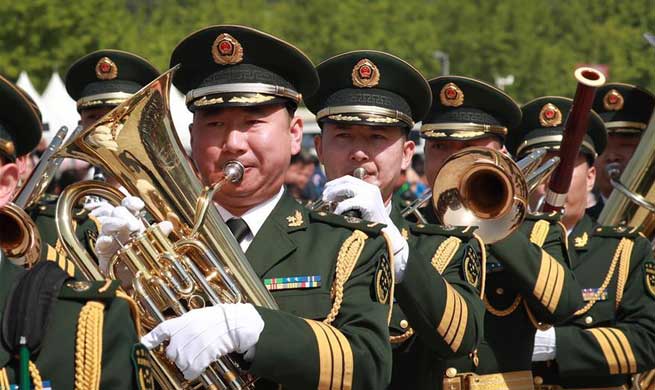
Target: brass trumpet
[[482, 187], [22, 241], [200, 263], [321, 205]]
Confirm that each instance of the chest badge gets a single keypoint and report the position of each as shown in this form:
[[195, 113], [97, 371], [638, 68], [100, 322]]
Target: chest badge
[[295, 220], [592, 294]]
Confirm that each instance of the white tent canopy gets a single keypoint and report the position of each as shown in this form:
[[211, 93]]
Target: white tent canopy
[[61, 108]]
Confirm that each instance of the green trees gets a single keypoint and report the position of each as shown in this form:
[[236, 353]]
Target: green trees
[[539, 42]]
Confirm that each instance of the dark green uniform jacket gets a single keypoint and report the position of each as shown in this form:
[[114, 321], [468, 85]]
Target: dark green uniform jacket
[[63, 343], [297, 349], [527, 283], [443, 312], [615, 337]]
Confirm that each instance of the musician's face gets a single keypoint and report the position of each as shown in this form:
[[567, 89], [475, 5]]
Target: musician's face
[[582, 182], [8, 181], [90, 116], [383, 151], [262, 138], [437, 152], [619, 150]]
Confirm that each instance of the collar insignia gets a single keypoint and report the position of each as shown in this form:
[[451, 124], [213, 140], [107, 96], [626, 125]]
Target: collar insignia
[[106, 69], [451, 95], [226, 50], [365, 74], [550, 116], [581, 241], [613, 100], [295, 220]]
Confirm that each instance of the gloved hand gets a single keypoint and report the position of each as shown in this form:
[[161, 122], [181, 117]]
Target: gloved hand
[[367, 198], [544, 345], [201, 336], [117, 225]]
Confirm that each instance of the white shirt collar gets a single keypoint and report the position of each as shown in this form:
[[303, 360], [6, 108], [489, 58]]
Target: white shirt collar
[[256, 216]]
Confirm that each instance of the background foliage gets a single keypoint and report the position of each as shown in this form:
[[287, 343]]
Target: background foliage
[[538, 41]]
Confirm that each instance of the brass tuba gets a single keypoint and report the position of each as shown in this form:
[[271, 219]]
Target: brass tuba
[[200, 263], [632, 202], [482, 187]]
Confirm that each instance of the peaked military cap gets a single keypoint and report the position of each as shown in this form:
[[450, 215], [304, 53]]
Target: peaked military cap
[[543, 126], [227, 66], [371, 88], [106, 78], [464, 109], [625, 108], [20, 121]]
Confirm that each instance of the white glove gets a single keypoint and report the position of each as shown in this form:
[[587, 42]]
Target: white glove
[[117, 225], [367, 198], [544, 345], [201, 336]]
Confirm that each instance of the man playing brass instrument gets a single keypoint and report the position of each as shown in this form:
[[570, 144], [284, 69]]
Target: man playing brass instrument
[[626, 110], [613, 334], [331, 277], [68, 333], [528, 283], [367, 104]]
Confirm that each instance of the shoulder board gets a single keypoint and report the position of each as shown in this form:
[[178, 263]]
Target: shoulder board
[[347, 222], [553, 216], [84, 290], [434, 229], [616, 231]]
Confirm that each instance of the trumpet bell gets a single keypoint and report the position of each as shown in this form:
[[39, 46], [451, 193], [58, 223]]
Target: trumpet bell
[[484, 188]]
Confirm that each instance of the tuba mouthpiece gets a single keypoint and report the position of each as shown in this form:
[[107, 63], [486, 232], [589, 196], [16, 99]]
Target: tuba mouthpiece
[[233, 171], [359, 173]]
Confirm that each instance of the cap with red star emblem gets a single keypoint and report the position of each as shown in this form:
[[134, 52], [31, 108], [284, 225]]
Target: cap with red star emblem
[[20, 121], [625, 108]]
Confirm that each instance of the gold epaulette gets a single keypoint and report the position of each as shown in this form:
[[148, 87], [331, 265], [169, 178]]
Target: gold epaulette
[[464, 232]]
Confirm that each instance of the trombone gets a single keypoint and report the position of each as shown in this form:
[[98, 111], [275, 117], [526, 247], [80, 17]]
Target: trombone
[[482, 187]]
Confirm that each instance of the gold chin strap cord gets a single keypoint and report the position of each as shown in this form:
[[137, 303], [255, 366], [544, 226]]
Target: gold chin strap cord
[[88, 348]]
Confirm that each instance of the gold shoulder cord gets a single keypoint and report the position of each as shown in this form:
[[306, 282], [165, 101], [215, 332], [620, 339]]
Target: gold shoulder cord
[[350, 251], [4, 379], [37, 382], [624, 249], [88, 346], [393, 275], [624, 270]]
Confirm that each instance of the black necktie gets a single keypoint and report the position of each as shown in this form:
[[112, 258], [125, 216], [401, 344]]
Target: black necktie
[[238, 227]]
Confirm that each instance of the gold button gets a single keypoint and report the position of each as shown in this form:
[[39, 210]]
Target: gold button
[[42, 208], [588, 320], [451, 372], [404, 324], [420, 225], [500, 291], [538, 380]]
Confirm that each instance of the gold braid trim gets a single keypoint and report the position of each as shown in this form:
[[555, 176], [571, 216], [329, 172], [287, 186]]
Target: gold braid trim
[[350, 251], [134, 309], [539, 325], [401, 338], [393, 275], [445, 253], [624, 270], [4, 379], [36, 376], [504, 312], [483, 252], [564, 236], [88, 346], [539, 232], [608, 278]]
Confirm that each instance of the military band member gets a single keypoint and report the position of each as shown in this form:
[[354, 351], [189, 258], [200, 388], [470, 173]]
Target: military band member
[[367, 104], [78, 334], [528, 283], [626, 110], [613, 334], [332, 278]]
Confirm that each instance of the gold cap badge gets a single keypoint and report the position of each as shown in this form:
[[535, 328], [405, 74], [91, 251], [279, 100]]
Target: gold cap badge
[[451, 95], [550, 116], [365, 74], [106, 69], [613, 100], [226, 50]]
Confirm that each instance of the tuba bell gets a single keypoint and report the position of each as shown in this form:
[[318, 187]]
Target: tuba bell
[[200, 263], [632, 202], [482, 187]]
